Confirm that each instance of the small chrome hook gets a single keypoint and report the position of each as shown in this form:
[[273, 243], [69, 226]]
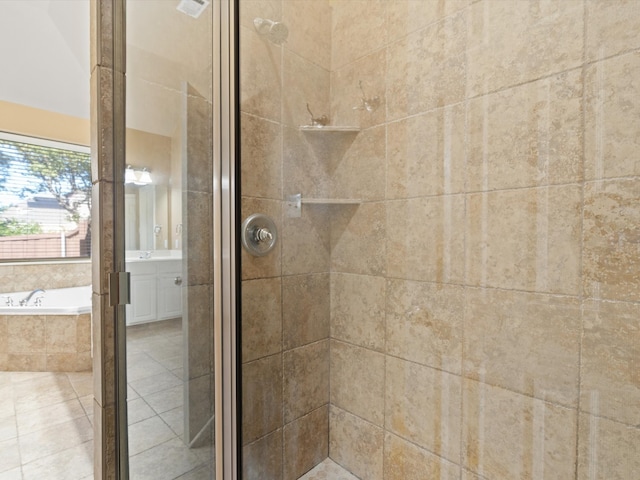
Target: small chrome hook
[[322, 121], [370, 104]]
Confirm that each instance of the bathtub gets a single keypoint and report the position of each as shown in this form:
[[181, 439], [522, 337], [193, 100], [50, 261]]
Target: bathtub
[[59, 301], [52, 337]]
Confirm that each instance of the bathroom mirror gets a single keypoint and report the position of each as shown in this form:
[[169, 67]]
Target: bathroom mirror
[[152, 192], [148, 221]]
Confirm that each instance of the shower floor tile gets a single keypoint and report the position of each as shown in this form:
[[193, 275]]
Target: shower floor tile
[[328, 470]]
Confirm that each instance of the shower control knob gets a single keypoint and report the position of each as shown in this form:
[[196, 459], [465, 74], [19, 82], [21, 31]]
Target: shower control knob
[[262, 234], [259, 234]]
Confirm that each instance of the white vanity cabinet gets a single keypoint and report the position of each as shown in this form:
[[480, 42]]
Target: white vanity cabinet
[[156, 290], [169, 295], [143, 299]]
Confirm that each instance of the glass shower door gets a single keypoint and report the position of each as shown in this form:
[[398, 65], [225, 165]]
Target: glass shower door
[[169, 237]]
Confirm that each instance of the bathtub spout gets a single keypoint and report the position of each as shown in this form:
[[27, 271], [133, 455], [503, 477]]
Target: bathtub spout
[[25, 301]]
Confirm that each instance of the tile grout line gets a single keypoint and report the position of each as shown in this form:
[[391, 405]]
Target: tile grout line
[[581, 292]]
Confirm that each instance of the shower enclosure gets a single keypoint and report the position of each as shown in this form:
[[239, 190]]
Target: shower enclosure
[[454, 289], [441, 275]]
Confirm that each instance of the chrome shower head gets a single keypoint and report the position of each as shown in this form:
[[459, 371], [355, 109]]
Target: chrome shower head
[[276, 32]]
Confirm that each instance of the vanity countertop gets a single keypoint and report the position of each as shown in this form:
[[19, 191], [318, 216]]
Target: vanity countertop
[[154, 256]]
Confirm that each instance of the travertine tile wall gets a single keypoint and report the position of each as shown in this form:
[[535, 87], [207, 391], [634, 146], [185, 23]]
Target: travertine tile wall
[[197, 266], [45, 343], [26, 277], [286, 294], [483, 299], [107, 175], [484, 307]]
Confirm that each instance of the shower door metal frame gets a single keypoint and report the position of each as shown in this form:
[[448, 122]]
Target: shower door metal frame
[[226, 257]]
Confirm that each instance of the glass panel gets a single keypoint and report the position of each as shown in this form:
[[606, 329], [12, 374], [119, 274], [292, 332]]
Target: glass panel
[[168, 237], [455, 283]]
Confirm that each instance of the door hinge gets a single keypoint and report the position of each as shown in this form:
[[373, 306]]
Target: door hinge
[[119, 288]]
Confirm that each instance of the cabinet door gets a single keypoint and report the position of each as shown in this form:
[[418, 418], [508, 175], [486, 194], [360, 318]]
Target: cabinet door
[[170, 296], [143, 299]]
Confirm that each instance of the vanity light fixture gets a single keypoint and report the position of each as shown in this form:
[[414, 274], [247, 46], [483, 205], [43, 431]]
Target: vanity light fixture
[[145, 177], [137, 176]]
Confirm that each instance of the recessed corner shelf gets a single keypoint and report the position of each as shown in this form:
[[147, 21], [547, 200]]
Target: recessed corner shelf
[[331, 201], [329, 129], [294, 203]]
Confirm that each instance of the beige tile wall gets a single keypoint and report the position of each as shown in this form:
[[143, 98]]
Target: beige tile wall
[[26, 277], [286, 294], [45, 343], [107, 162], [63, 348], [197, 265], [481, 304], [510, 333]]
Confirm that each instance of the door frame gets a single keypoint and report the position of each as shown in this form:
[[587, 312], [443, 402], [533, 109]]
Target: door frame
[[226, 249], [109, 279], [107, 124]]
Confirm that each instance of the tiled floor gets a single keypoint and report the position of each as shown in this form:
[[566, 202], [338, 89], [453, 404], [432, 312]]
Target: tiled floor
[[328, 470], [155, 407], [45, 426], [45, 418]]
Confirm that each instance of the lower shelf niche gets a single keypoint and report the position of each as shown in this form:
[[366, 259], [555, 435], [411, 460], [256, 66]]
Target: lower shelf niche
[[294, 203]]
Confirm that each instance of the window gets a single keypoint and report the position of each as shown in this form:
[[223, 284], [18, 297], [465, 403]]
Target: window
[[45, 199]]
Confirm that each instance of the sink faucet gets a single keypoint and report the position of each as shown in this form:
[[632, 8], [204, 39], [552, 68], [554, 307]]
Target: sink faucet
[[25, 301]]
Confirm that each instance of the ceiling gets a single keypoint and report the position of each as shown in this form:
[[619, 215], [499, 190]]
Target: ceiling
[[44, 50]]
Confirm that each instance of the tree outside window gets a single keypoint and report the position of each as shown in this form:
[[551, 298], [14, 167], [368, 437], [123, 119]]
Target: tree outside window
[[45, 199]]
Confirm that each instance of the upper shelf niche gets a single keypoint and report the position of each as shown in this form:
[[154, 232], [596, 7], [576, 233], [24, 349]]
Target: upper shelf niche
[[329, 129], [329, 140]]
